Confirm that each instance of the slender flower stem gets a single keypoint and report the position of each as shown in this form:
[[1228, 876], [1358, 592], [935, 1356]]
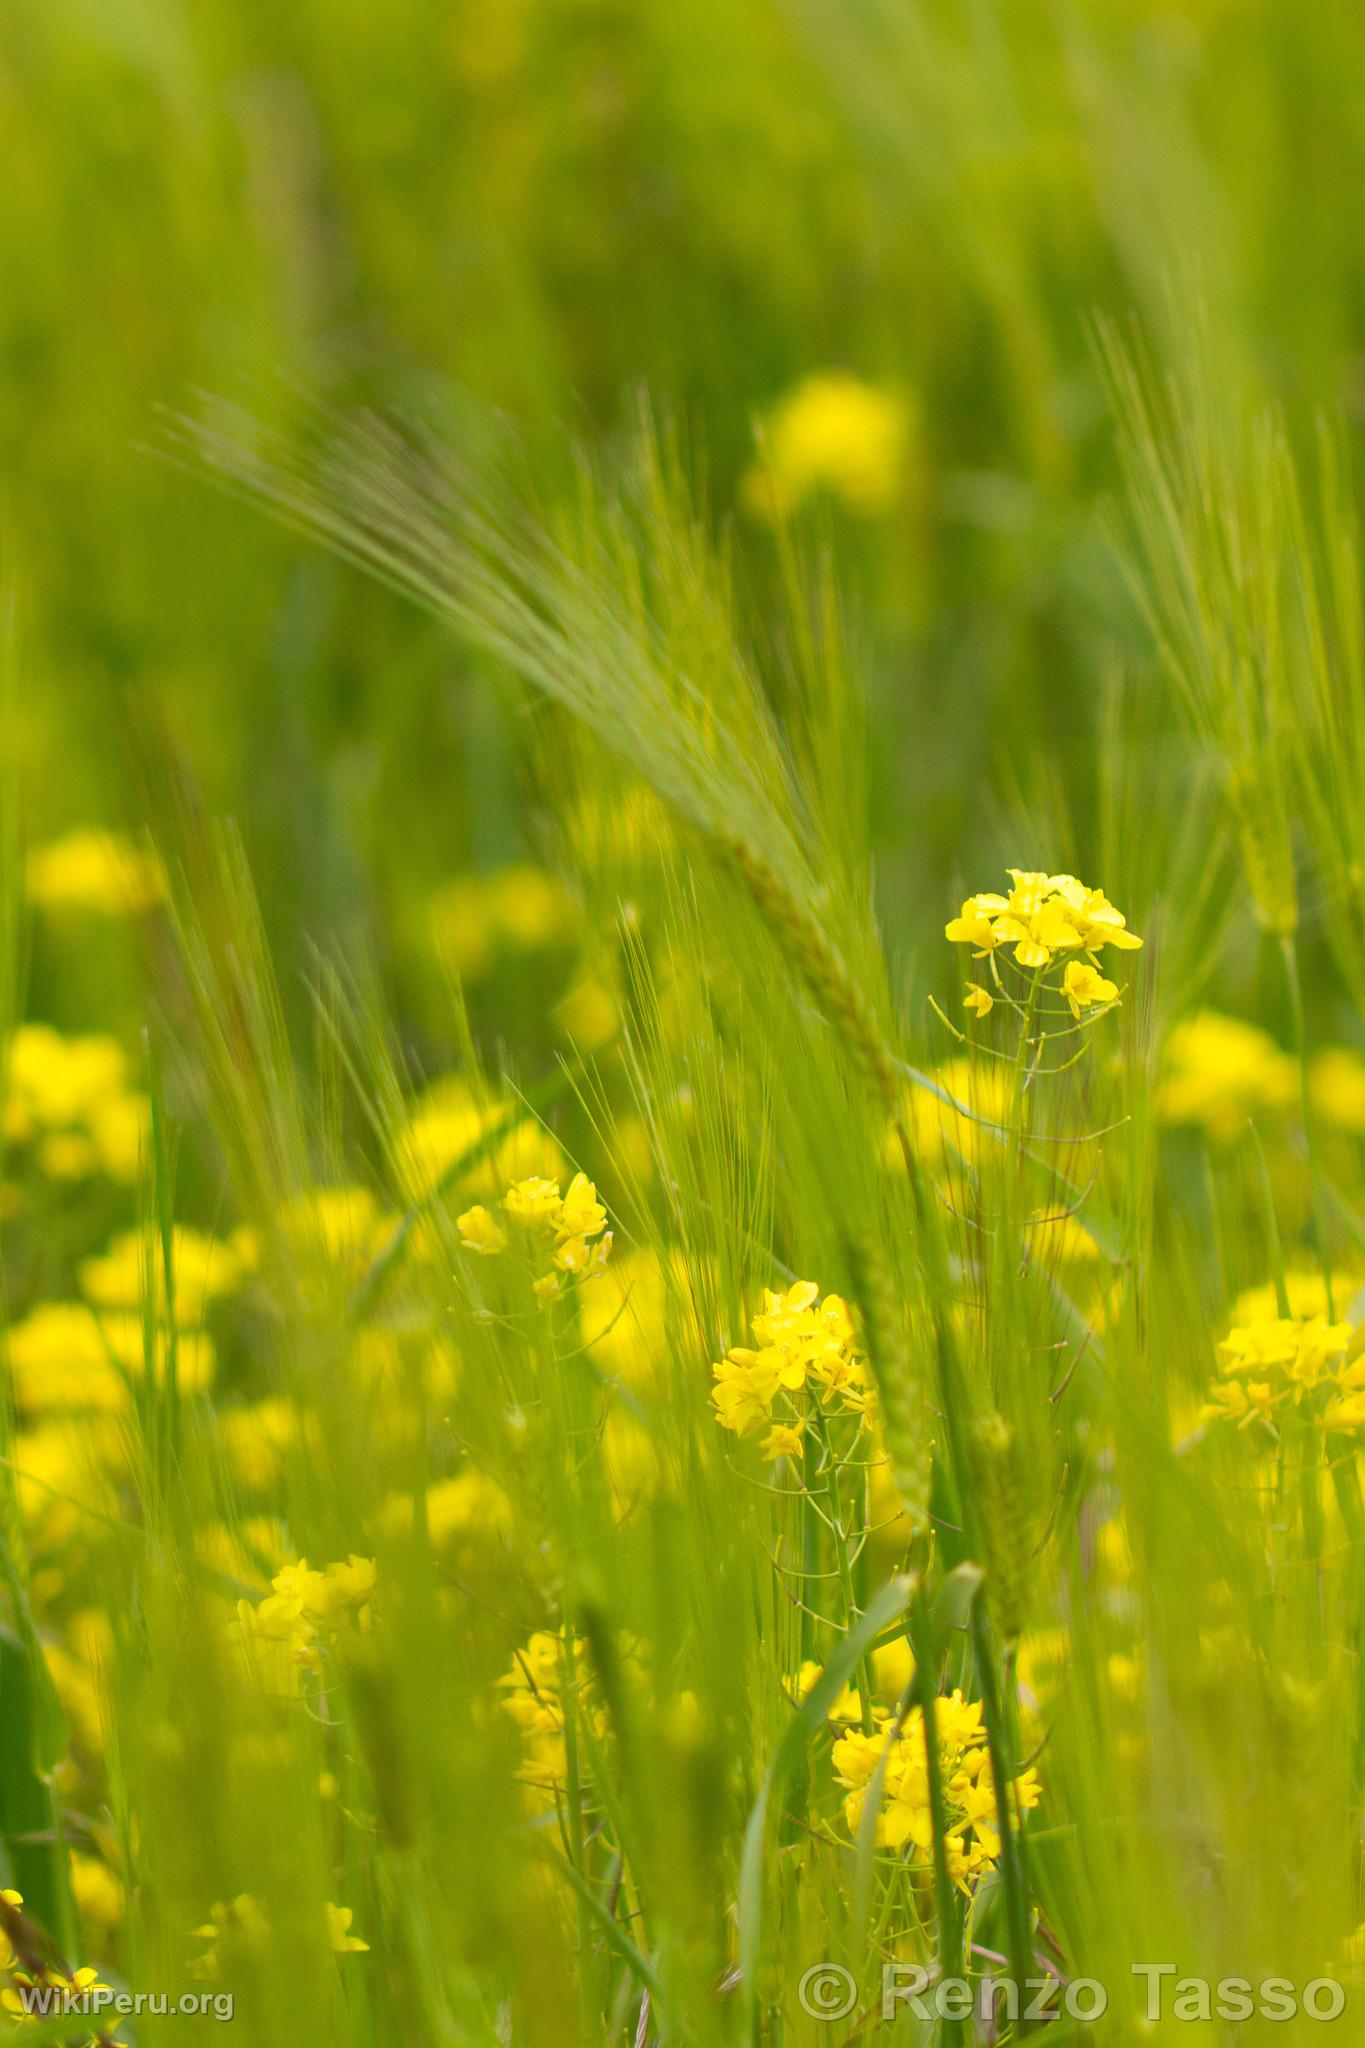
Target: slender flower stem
[[949, 1911], [1011, 1862], [842, 1565]]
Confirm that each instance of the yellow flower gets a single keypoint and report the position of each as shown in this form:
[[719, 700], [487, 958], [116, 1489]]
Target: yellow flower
[[307, 1610], [581, 1214], [738, 1404], [575, 1220], [1240, 1402], [534, 1203], [450, 1120], [480, 1231], [98, 1892], [801, 1341], [1084, 986], [69, 1099], [64, 1356], [342, 1941], [833, 433], [1336, 1081], [904, 1818], [202, 1269], [976, 924], [1043, 915], [978, 1000], [92, 870], [782, 1441], [1220, 1072], [518, 908]]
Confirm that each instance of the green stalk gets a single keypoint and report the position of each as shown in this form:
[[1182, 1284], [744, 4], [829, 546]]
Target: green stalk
[[1011, 1858], [1290, 954], [950, 1926], [841, 1564]]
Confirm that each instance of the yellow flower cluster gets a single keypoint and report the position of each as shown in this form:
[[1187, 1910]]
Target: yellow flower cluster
[[78, 1359], [236, 1927], [40, 1985], [976, 1104], [518, 909], [450, 1119], [1221, 1072], [465, 1509], [69, 1103], [1336, 1086], [550, 1668], [308, 1611], [833, 433], [92, 870], [572, 1226], [904, 1817], [801, 1344], [1044, 917], [1269, 1360], [65, 1358]]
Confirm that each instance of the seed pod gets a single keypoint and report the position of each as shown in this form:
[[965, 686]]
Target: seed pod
[[1005, 1523], [899, 1381]]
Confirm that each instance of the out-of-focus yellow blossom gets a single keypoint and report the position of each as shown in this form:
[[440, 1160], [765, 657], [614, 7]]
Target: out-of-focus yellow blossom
[[1220, 1072], [258, 1439], [202, 1270], [632, 1459], [1336, 1088], [1113, 1555], [400, 1367], [1268, 1360], [64, 1356], [339, 1934], [974, 1108], [516, 909], [801, 1342], [248, 1552], [833, 433], [449, 1120], [77, 1669], [892, 1668], [622, 1313], [904, 1819], [98, 1893], [88, 869], [38, 1992], [481, 1231], [308, 1611], [1059, 1238], [470, 1506], [1306, 1294], [67, 1100], [341, 1229], [233, 1927], [550, 1669], [589, 1015], [1043, 1660], [66, 1468]]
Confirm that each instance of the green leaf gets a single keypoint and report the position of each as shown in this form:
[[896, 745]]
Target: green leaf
[[808, 1718]]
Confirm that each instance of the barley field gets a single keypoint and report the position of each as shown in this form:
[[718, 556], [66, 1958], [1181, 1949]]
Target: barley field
[[682, 1022]]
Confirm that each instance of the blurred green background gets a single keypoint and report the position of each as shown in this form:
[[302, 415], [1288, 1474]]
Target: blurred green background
[[548, 204]]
